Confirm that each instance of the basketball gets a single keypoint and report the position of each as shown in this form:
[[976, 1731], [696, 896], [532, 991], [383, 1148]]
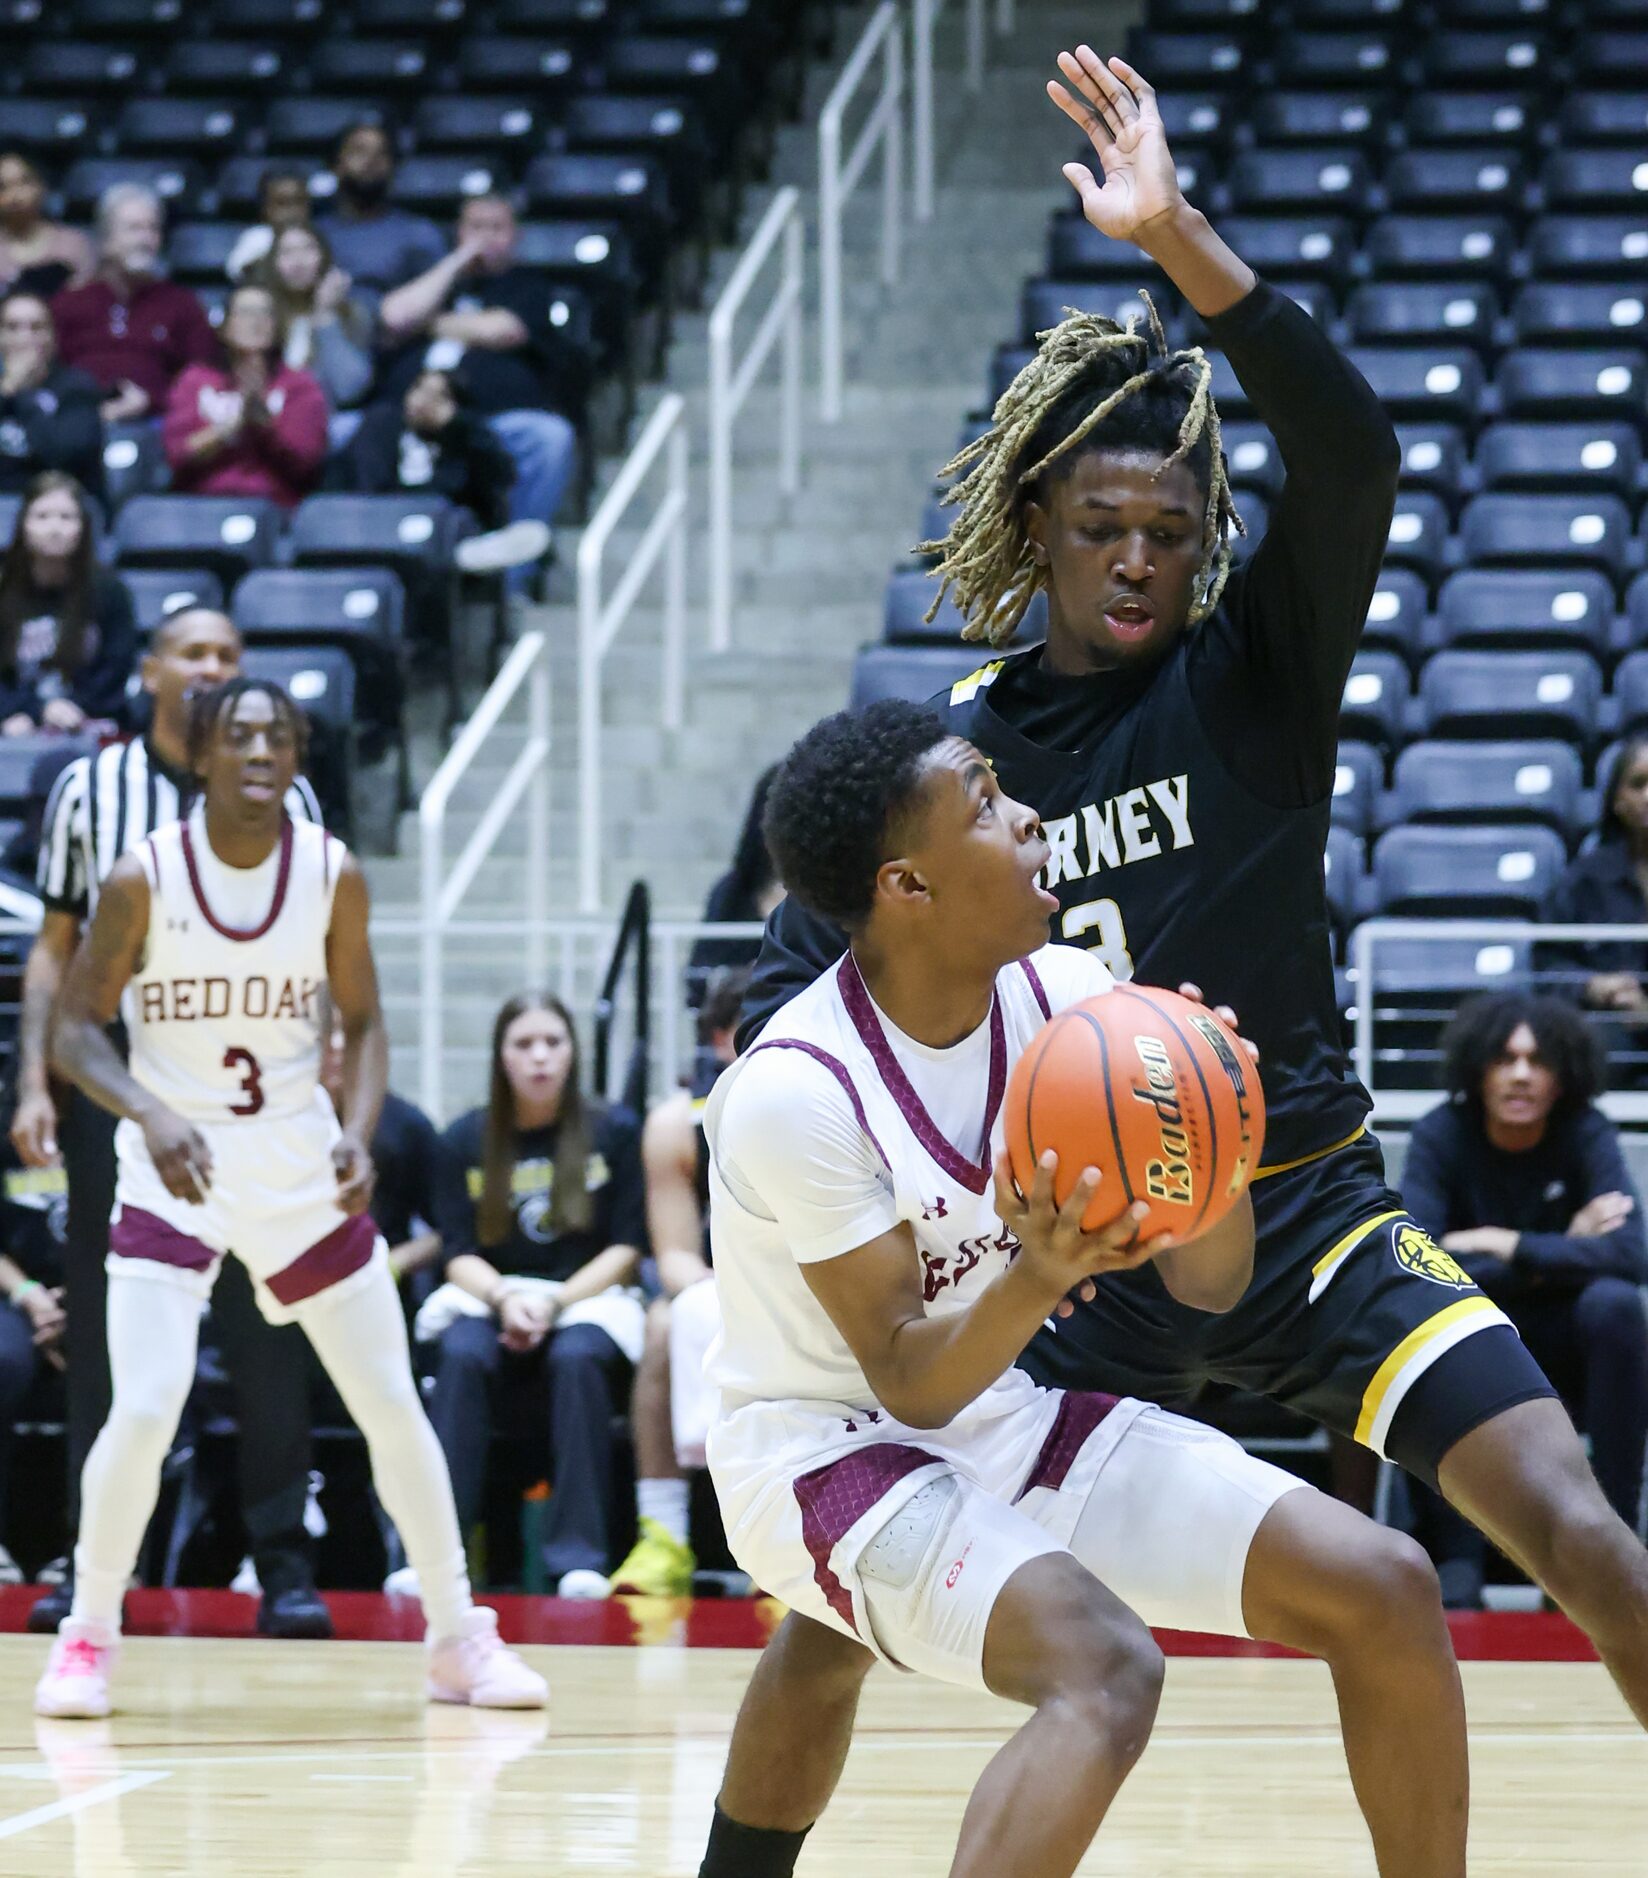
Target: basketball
[[1155, 1092]]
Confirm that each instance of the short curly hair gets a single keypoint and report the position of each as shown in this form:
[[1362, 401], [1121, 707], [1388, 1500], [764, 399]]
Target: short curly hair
[[837, 798], [207, 709], [1482, 1027]]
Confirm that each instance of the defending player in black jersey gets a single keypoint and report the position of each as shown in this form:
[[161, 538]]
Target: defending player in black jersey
[[1178, 734]]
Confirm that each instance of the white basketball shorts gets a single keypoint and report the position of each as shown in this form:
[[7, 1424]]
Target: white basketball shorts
[[271, 1200], [1160, 1509]]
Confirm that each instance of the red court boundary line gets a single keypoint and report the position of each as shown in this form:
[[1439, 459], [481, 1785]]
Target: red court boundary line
[[713, 1624]]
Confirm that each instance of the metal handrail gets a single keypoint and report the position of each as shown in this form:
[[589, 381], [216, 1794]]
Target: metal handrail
[[837, 180], [923, 19], [599, 619], [528, 664], [729, 389], [1403, 1105], [634, 929]]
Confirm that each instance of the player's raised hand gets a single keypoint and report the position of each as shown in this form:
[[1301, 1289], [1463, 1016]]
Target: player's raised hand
[[1117, 109], [357, 1177], [180, 1155], [1051, 1236]]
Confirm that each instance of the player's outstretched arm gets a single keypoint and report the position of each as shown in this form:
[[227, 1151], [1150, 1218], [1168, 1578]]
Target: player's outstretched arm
[[1139, 199], [925, 1370], [352, 976], [80, 1048], [34, 1126]]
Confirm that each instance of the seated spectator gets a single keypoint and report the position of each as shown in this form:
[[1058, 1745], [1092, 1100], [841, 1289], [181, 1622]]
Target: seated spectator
[[672, 1405], [283, 202], [48, 412], [430, 443], [68, 635], [542, 1219], [481, 306], [130, 327], [257, 428], [748, 891], [1522, 1180], [36, 255], [378, 246], [328, 331], [33, 1223], [1607, 883]]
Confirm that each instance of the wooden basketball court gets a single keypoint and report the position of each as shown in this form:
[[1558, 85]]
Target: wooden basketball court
[[268, 1760]]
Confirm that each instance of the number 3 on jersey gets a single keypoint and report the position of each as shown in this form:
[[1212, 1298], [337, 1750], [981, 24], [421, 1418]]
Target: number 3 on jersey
[[251, 1082], [1102, 918]]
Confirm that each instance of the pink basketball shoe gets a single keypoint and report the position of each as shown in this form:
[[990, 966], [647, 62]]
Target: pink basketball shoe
[[477, 1668], [76, 1683]]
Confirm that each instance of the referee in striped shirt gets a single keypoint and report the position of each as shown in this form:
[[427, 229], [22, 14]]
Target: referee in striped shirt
[[100, 807]]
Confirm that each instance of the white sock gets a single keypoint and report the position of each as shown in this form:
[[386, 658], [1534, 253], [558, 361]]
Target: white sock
[[361, 1338], [154, 1330], [666, 1502]]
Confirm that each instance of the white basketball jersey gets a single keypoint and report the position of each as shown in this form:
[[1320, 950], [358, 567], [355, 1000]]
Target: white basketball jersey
[[777, 1341], [226, 1012]]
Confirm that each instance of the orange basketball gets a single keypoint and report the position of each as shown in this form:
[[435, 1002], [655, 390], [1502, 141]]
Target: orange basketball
[[1152, 1090]]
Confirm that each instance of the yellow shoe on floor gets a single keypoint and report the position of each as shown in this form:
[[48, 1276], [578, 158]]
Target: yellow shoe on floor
[[660, 1566]]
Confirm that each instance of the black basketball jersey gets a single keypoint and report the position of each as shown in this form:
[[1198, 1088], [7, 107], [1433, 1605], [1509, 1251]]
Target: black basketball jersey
[[1187, 804]]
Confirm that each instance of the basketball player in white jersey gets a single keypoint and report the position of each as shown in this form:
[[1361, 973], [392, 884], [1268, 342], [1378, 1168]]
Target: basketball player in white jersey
[[881, 1465], [221, 939]]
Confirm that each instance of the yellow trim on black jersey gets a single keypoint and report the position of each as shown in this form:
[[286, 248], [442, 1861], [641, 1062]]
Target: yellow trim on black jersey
[[964, 690], [1304, 1160], [1411, 1354]]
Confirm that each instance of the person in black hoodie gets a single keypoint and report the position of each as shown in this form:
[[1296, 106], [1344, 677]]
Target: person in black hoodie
[[49, 416], [1520, 1177], [430, 443]]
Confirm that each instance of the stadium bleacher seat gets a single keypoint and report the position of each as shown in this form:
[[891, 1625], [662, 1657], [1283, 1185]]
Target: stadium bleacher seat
[[1489, 782], [1306, 59], [1396, 614], [1511, 694], [195, 127], [1345, 867], [244, 68], [227, 534], [1269, 182], [497, 126], [1358, 782], [1490, 872], [1587, 313], [1446, 247], [157, 593], [1589, 181], [1603, 117], [321, 680], [54, 131], [1208, 61], [1490, 119], [1522, 608], [1375, 699], [1456, 181], [1547, 385], [1352, 119], [1577, 245], [1512, 57], [1434, 458], [199, 251], [1432, 313], [1547, 530], [1606, 458], [1430, 384], [134, 464], [55, 68], [178, 182], [1631, 691], [1418, 534], [310, 126], [914, 672], [1447, 969], [1254, 461]]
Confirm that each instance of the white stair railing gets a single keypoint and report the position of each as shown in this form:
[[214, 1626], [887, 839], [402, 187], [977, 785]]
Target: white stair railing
[[600, 617], [440, 893], [837, 180], [922, 21], [729, 388]]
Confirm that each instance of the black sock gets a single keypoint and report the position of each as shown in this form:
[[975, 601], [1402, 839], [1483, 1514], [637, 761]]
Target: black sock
[[737, 1851]]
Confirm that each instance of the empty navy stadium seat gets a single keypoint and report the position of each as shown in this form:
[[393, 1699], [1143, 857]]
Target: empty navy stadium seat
[[283, 19], [1562, 246], [1268, 182], [1594, 180], [1304, 59], [341, 62], [1375, 699], [1552, 531], [1043, 303], [1513, 57], [1253, 460], [416, 532], [1396, 613], [910, 593], [197, 127], [1358, 778], [1604, 457], [1603, 117], [1432, 384], [1303, 247], [200, 250], [54, 129], [1463, 181], [1490, 119], [158, 593], [1418, 534], [1433, 458], [499, 125], [1511, 694], [1523, 608], [225, 65], [177, 183], [1595, 313], [1202, 61], [440, 185], [1631, 691], [552, 67], [1493, 872], [1402, 312], [228, 534], [1610, 58], [308, 125], [665, 128], [134, 464], [1447, 969], [1345, 866], [1077, 251], [1635, 616], [914, 672], [1452, 247], [1354, 118], [405, 16], [1489, 782], [1543, 383], [588, 20], [144, 19], [72, 68]]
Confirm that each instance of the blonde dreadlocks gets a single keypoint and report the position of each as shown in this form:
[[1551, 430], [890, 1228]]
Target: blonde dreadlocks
[[986, 555]]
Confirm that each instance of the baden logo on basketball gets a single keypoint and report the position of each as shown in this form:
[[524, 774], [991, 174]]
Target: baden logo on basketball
[[1421, 1255], [1168, 1177]]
